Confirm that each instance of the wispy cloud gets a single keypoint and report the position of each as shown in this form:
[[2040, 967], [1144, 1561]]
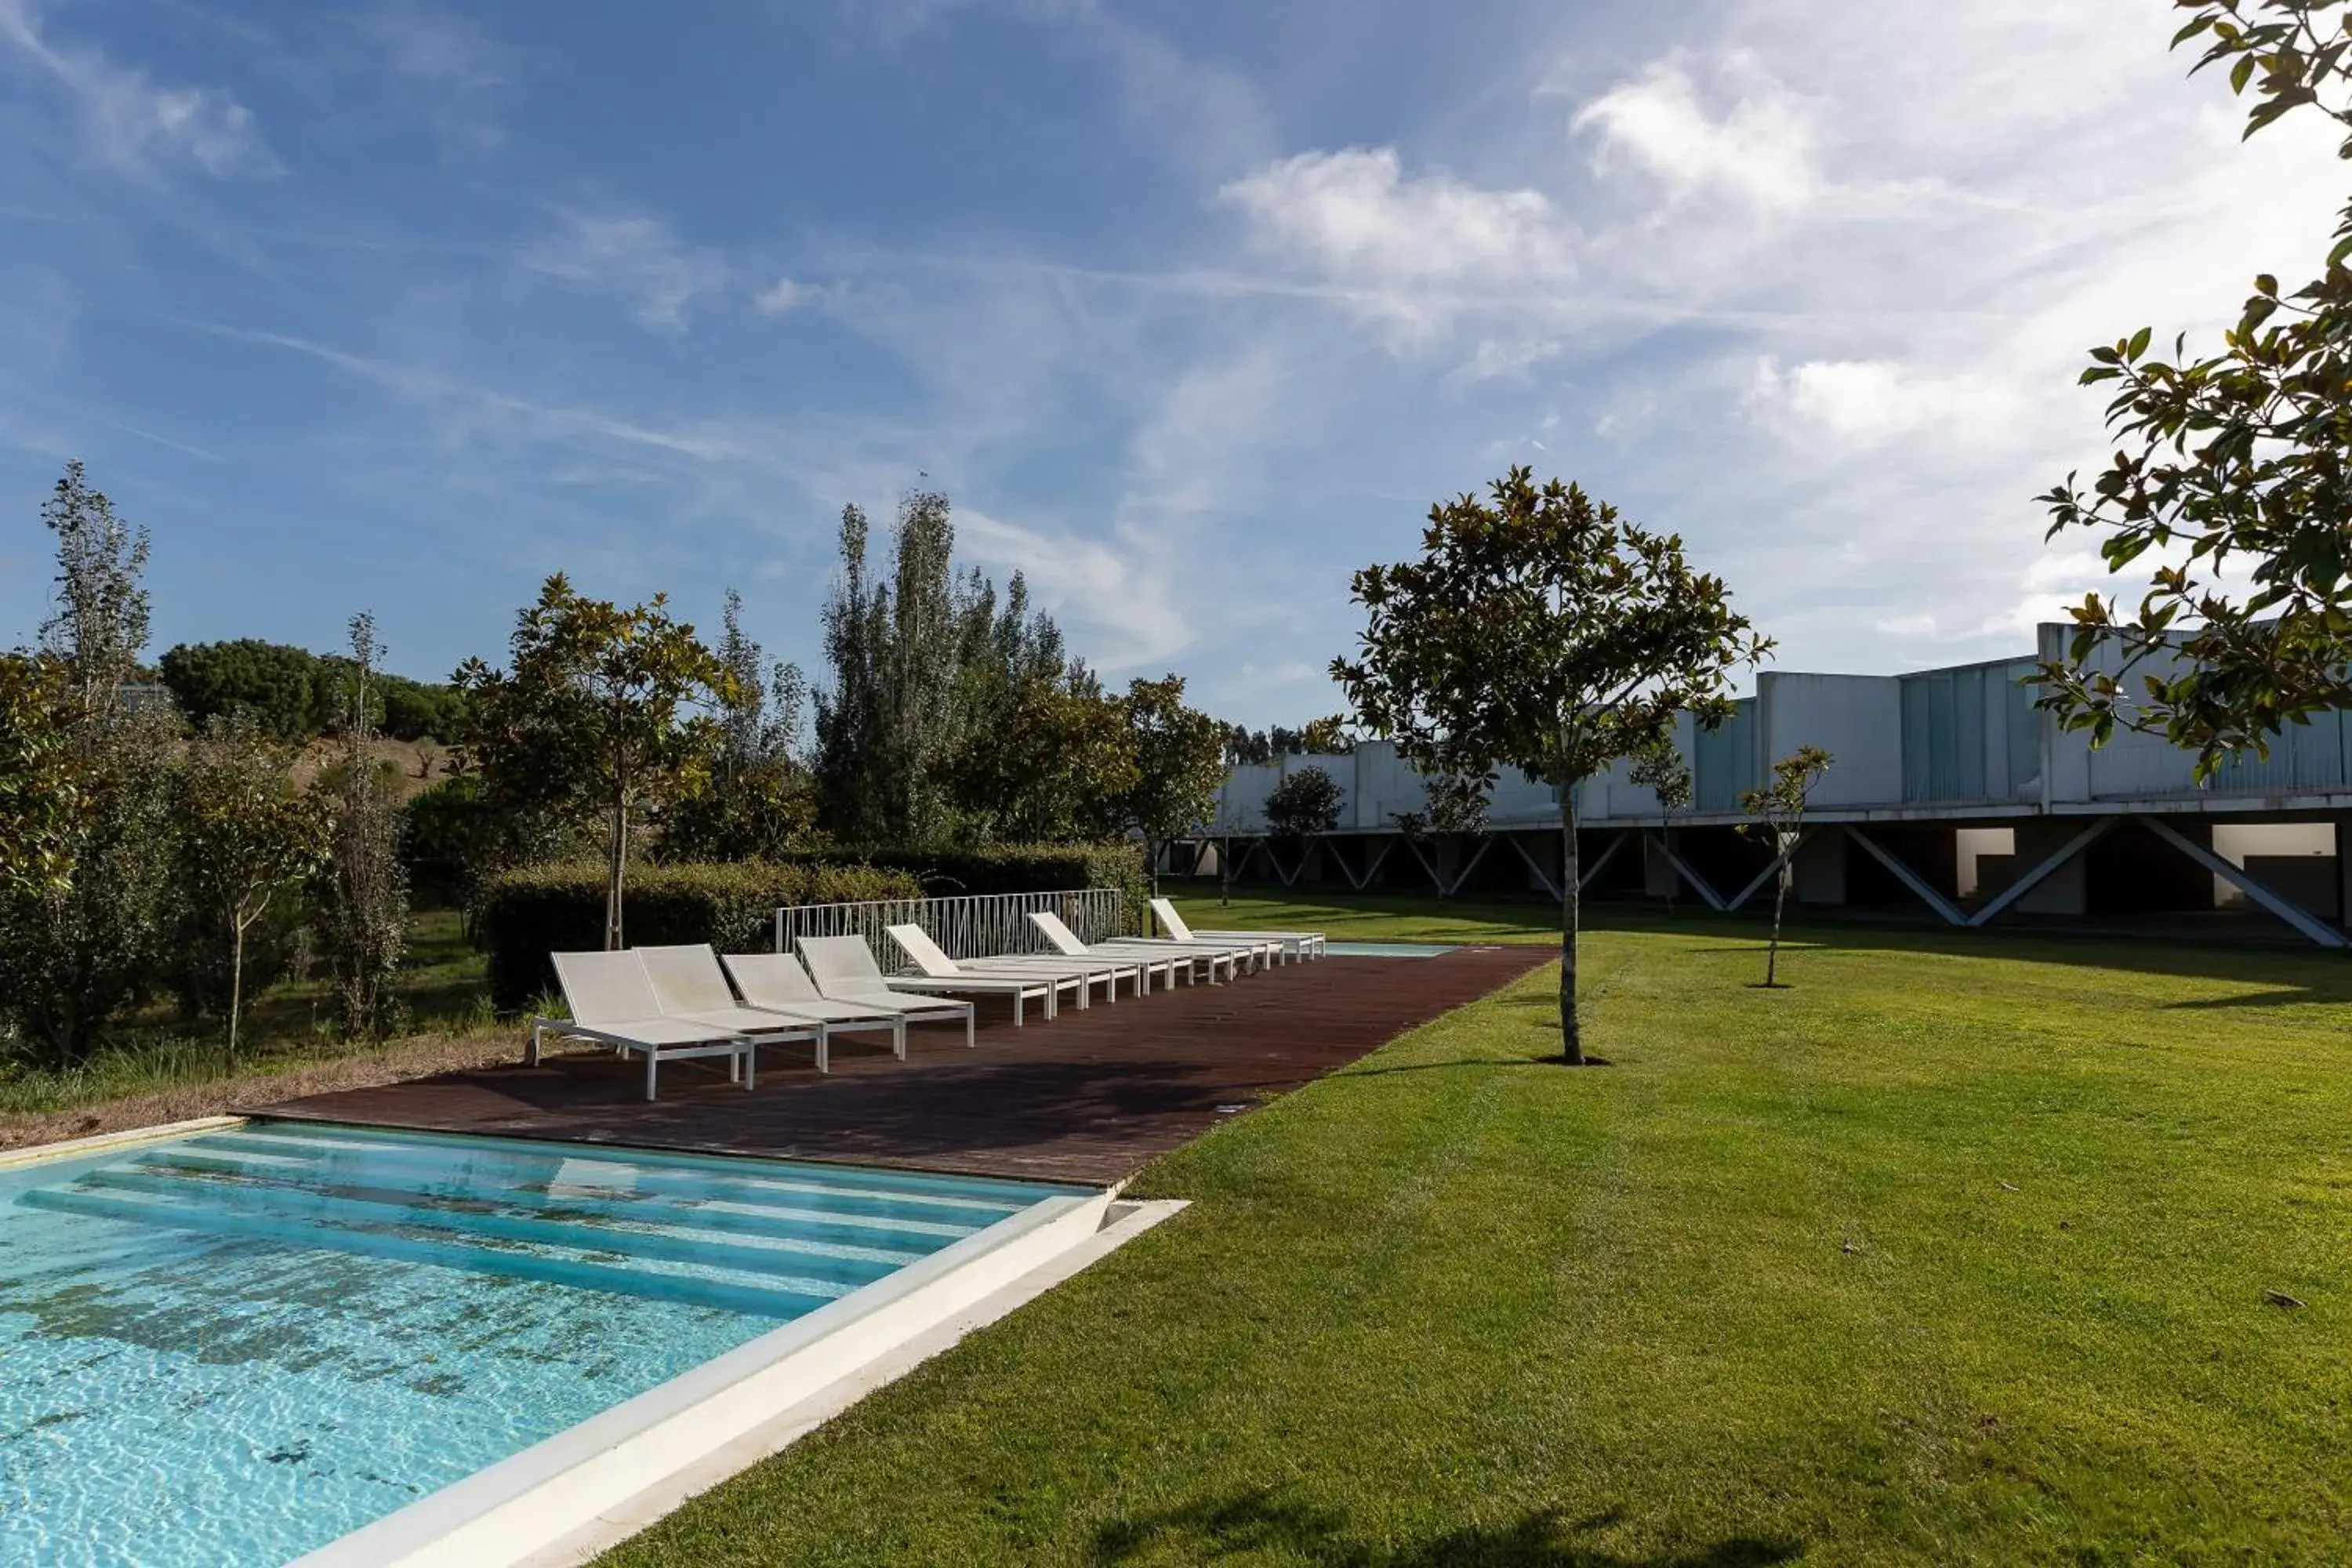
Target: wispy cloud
[[133, 123], [631, 256], [449, 66]]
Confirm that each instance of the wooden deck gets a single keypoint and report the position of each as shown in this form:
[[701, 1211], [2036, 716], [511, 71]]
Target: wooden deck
[[1089, 1098]]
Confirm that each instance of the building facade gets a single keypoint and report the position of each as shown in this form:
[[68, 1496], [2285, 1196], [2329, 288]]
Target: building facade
[[1949, 791]]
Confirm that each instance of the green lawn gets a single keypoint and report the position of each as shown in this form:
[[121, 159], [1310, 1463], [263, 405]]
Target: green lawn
[[1958, 1252]]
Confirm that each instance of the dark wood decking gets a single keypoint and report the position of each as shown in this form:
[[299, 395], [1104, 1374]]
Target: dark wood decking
[[1087, 1097]]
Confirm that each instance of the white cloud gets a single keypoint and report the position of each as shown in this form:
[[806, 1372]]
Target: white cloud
[[1867, 403], [1409, 246], [632, 257], [1761, 150], [450, 69], [786, 295], [131, 122], [1113, 595]]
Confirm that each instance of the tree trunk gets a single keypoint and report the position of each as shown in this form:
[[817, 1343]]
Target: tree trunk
[[614, 871], [235, 980], [1779, 902], [1572, 1033]]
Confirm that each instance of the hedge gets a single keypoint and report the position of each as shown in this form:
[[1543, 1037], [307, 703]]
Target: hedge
[[1007, 868], [526, 914]]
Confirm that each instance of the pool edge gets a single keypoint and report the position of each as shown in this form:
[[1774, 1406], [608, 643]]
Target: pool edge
[[523, 1505], [129, 1138]]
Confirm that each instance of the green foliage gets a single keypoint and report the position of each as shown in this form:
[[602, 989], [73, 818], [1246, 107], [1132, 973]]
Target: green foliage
[[83, 939], [279, 690], [1305, 802], [526, 914], [443, 840], [1540, 630], [41, 799], [760, 800], [1450, 804], [2232, 461], [1013, 869], [1328, 736], [362, 887], [588, 723], [1052, 763], [1180, 762], [1780, 812], [293, 694], [890, 722], [247, 840]]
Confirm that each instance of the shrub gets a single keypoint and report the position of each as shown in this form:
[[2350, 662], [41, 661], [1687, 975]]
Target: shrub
[[440, 841], [524, 915], [1305, 802], [1007, 868], [282, 690]]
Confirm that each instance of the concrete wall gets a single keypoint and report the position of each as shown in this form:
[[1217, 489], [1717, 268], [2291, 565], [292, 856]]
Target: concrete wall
[[1858, 719]]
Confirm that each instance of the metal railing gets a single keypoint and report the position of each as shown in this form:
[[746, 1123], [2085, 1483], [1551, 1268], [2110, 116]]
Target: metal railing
[[969, 925]]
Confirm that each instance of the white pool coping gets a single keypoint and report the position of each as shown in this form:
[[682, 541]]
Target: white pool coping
[[651, 1453], [629, 1516], [102, 1143]]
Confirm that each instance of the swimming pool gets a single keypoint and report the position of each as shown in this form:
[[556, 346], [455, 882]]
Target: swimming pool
[[232, 1348]]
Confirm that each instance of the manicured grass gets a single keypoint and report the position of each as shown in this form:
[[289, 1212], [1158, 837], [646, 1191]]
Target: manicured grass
[[1958, 1252], [1371, 917]]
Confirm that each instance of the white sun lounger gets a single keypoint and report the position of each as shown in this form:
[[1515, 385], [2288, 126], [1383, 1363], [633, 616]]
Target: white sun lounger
[[1081, 974], [843, 969], [1169, 958], [612, 1003], [689, 985], [1284, 944], [777, 979]]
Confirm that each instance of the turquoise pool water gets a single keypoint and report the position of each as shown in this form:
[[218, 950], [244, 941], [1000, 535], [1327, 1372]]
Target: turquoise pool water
[[1384, 950], [225, 1350]]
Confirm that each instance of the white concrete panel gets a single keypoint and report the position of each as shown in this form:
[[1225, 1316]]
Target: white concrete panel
[[1857, 719]]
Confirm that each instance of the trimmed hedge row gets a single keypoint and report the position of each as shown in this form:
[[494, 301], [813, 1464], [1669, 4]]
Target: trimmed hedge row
[[527, 914], [1008, 868]]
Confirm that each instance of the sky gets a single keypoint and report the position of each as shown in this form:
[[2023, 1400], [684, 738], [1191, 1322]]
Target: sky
[[1193, 307]]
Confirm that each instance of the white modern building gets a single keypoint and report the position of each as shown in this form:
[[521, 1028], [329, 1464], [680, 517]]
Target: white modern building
[[1949, 791]]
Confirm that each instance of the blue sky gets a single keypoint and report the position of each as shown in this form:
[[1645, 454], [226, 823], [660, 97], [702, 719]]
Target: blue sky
[[1192, 306]]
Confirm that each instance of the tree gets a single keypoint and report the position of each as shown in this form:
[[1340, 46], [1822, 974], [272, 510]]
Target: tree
[[760, 802], [1662, 771], [1327, 737], [1053, 765], [286, 692], [888, 724], [246, 837], [100, 624], [80, 941], [362, 887], [1779, 810], [1304, 803], [40, 800], [1180, 766], [2236, 459], [1539, 630], [588, 718]]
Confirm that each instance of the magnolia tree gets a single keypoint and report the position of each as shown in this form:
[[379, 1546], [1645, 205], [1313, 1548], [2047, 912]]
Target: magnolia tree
[[1779, 809], [596, 714], [1541, 631], [2231, 462], [1180, 764], [1662, 771]]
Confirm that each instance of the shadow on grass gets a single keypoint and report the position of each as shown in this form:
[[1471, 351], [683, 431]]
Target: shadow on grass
[[1257, 1521]]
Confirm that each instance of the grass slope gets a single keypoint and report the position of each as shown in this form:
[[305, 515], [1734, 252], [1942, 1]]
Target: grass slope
[[1949, 1254]]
